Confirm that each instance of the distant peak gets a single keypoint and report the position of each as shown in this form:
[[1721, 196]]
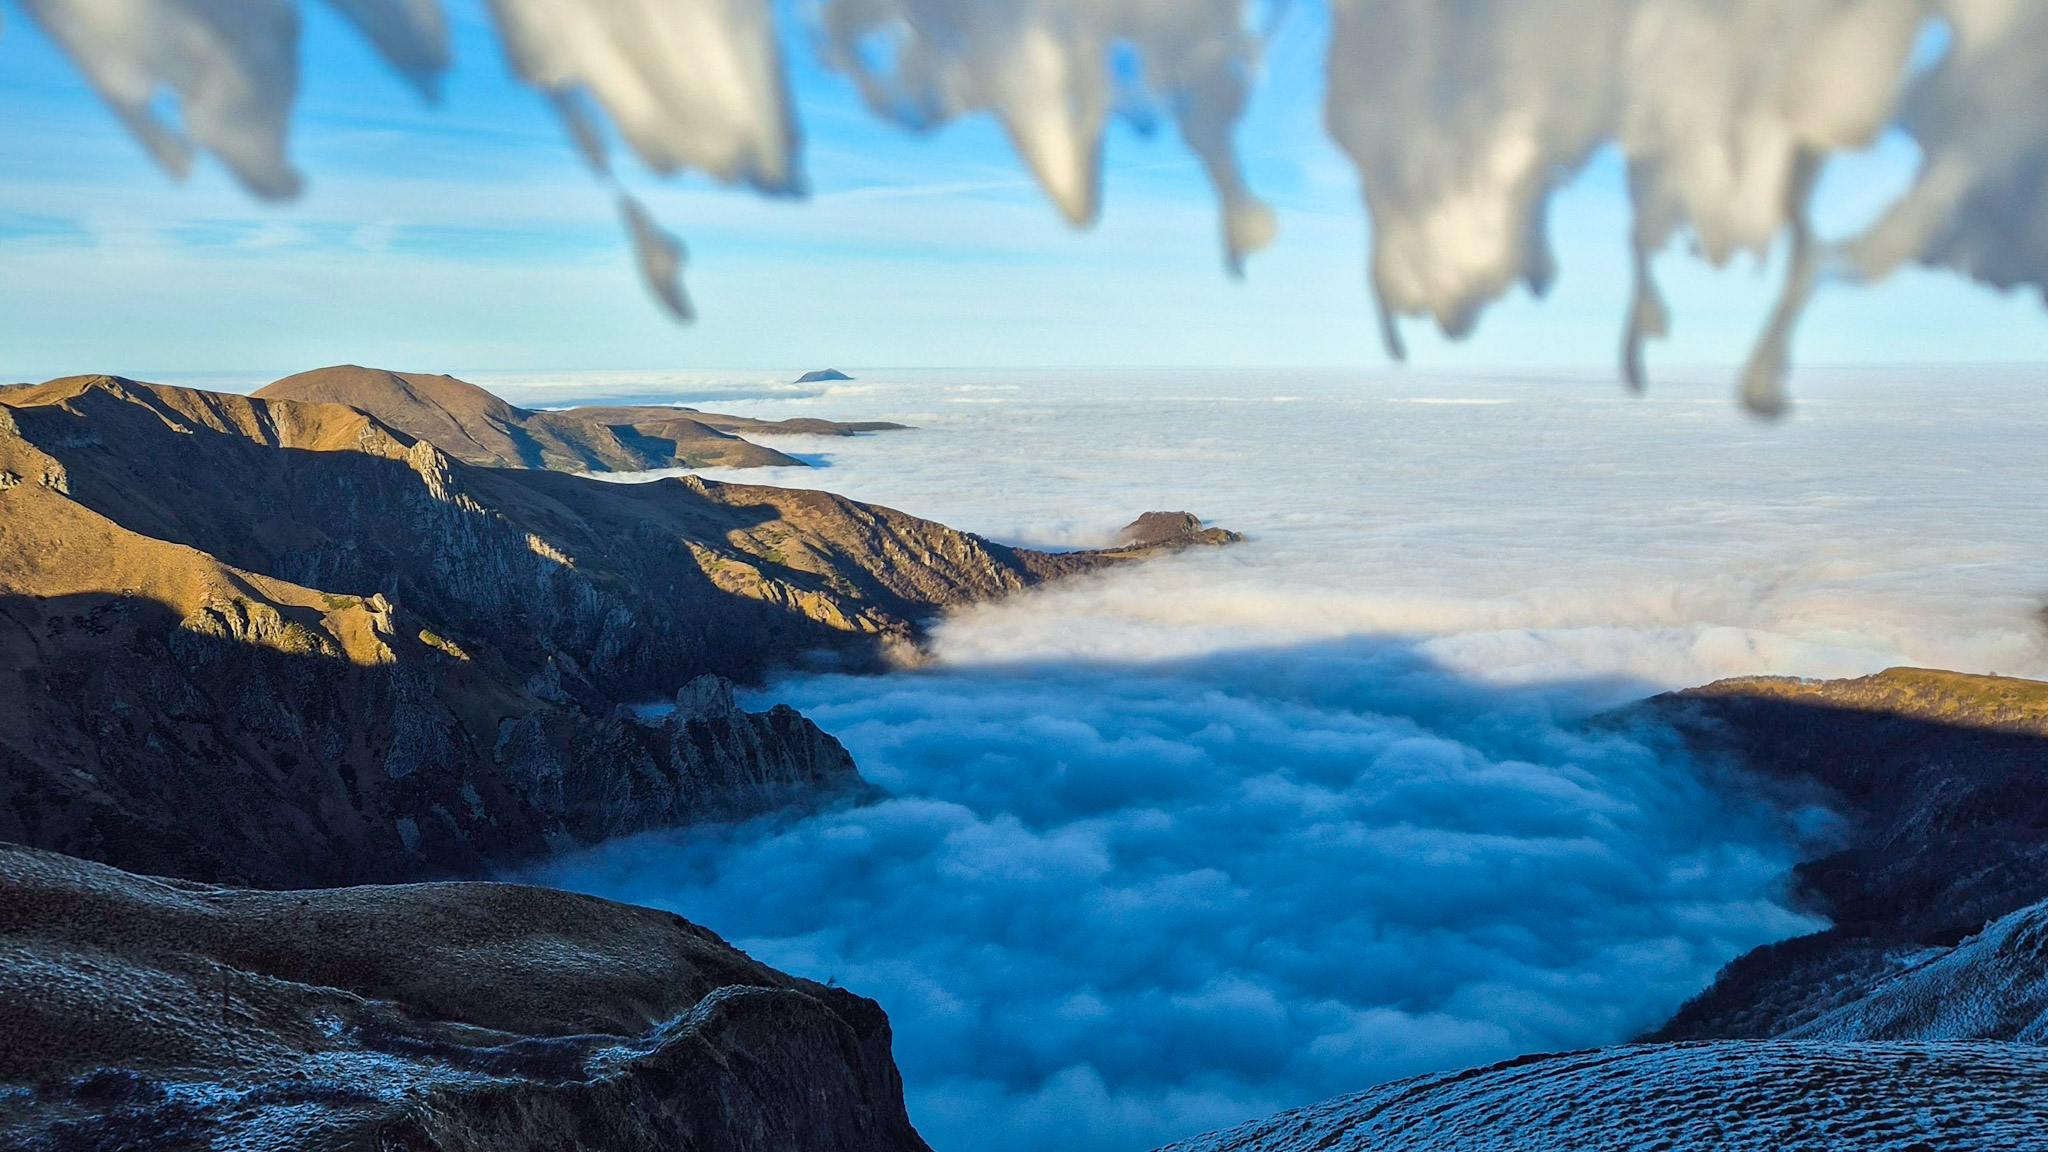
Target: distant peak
[[814, 377]]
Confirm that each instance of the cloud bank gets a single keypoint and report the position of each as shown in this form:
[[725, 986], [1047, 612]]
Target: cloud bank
[[1462, 119], [1250, 827], [1111, 906]]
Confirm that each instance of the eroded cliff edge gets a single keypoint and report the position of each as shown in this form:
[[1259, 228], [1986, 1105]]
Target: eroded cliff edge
[[282, 643], [1941, 779], [454, 1017]]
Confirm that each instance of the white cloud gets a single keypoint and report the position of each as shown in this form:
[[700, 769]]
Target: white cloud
[[1246, 828]]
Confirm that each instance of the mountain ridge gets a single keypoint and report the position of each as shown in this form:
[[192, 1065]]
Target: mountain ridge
[[474, 426], [1914, 1022], [301, 647], [1942, 780]]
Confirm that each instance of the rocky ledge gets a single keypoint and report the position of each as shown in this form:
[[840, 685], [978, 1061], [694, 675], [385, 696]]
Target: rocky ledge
[[459, 1017]]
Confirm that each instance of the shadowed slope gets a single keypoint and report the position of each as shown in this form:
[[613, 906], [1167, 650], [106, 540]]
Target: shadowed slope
[[283, 643], [150, 1013], [1943, 778], [1881, 1032], [1992, 986]]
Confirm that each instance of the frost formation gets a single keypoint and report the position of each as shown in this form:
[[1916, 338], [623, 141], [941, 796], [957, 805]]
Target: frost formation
[[1461, 115]]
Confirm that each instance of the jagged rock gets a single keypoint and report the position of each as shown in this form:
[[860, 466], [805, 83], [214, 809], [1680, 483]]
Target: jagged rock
[[143, 1013], [1165, 531], [707, 697]]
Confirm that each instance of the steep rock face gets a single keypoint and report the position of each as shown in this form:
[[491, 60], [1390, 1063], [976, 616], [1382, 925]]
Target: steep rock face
[[476, 427], [1943, 778], [164, 1014], [240, 741], [705, 759], [1732, 1096]]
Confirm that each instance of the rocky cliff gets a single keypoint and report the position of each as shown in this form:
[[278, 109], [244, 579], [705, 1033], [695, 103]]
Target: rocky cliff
[[458, 1017], [282, 643], [475, 427], [1942, 779]]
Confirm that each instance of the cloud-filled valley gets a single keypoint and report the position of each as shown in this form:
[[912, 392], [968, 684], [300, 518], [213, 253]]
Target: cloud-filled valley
[[1238, 830], [1111, 906]]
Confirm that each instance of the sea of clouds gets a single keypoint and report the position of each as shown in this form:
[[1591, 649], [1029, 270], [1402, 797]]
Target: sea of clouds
[[1240, 829]]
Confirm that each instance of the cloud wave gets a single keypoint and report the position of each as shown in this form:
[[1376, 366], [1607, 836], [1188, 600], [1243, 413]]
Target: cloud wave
[[1109, 906]]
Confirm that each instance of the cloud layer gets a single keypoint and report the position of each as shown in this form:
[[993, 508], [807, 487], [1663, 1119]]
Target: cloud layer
[[1113, 906], [1247, 828]]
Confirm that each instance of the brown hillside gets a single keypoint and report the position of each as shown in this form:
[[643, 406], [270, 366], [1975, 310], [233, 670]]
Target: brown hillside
[[285, 643], [477, 427], [151, 1014]]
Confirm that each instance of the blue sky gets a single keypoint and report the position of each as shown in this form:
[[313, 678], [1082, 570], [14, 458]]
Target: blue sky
[[466, 237]]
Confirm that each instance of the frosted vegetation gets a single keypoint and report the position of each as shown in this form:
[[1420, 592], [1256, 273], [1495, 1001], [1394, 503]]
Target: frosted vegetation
[[1462, 118]]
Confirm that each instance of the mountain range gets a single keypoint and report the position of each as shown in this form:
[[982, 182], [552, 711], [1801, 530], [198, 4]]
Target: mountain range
[[476, 427], [282, 642], [269, 662]]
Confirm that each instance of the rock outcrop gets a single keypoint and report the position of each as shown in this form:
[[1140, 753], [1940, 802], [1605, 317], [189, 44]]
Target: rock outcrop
[[1942, 778], [455, 1017], [1163, 531], [475, 427], [279, 643]]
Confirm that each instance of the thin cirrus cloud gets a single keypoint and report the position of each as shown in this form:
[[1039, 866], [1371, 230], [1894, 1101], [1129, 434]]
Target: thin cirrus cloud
[[1461, 121]]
